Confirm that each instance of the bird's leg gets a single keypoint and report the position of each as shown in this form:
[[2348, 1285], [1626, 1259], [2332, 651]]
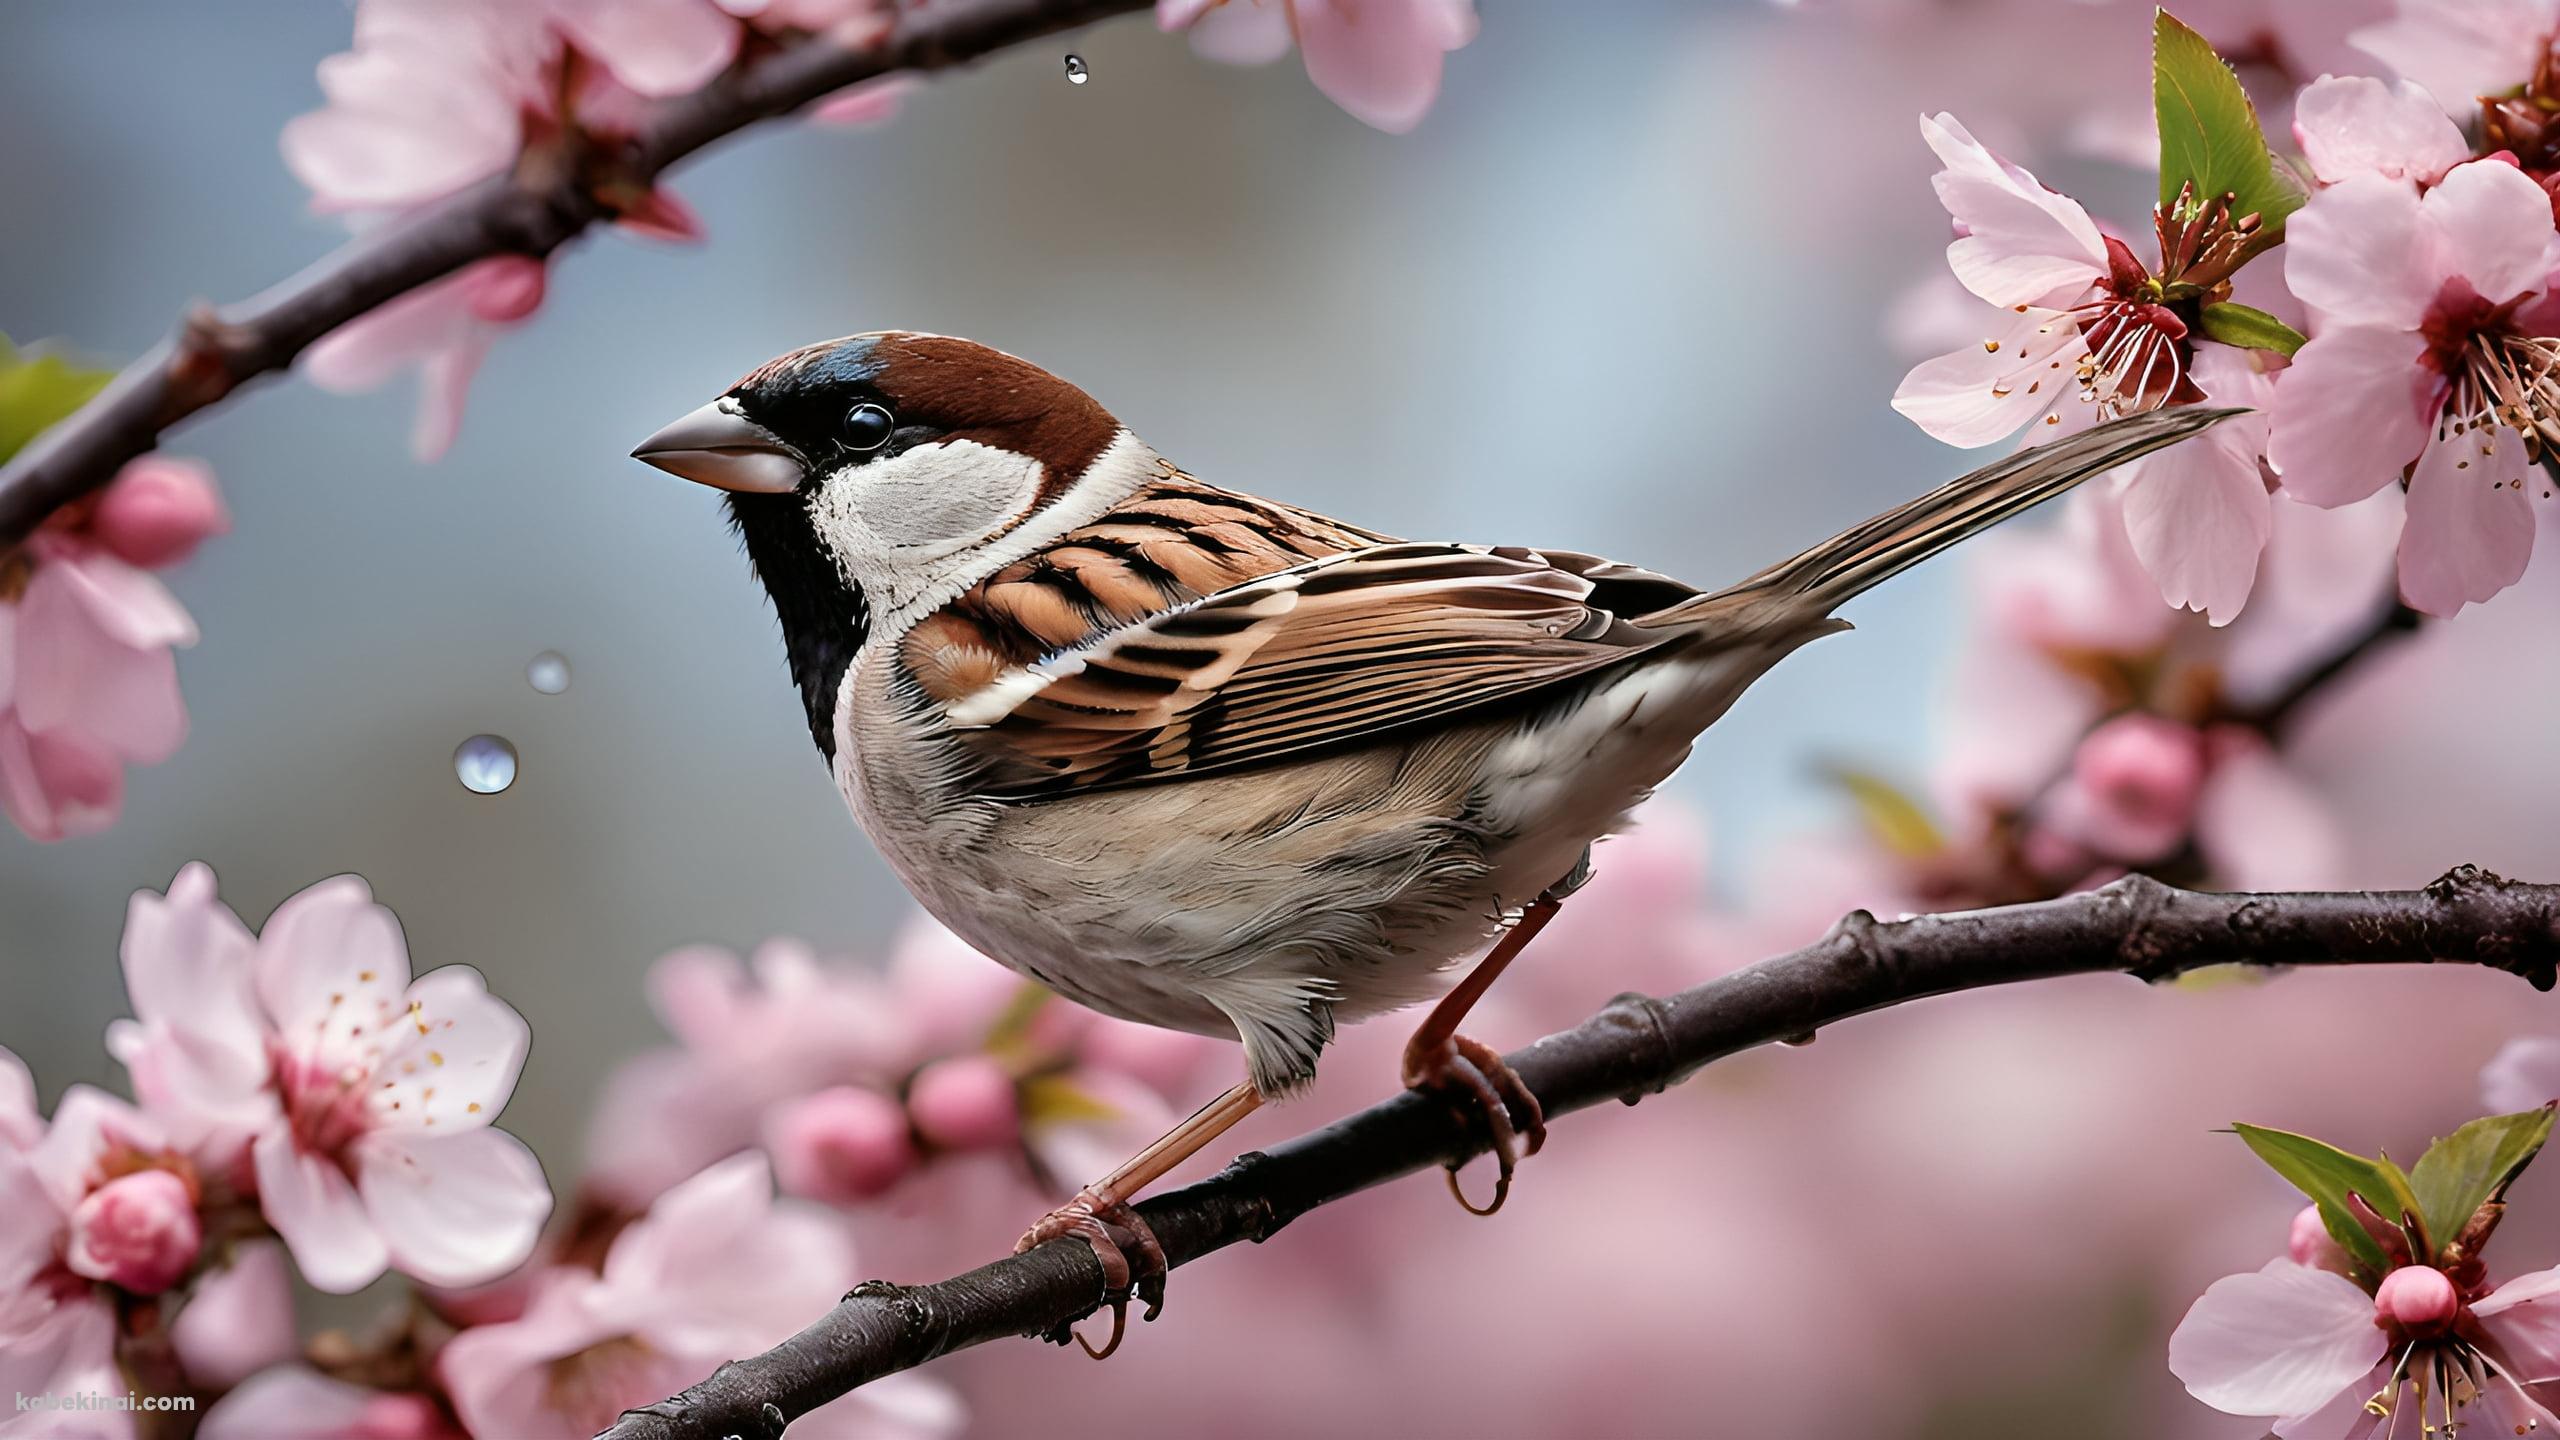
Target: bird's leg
[[1102, 1206], [1471, 1072]]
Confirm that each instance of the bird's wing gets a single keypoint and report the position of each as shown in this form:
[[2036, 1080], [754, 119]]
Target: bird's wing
[[1342, 648]]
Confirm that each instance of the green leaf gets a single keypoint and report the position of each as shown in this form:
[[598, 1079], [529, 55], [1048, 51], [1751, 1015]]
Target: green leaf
[[2249, 328], [37, 392], [2473, 1166], [2209, 132], [1054, 1100], [1892, 817], [2329, 1175]]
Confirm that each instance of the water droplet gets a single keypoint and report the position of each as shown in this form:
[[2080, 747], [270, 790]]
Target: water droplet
[[548, 672], [485, 764], [1077, 73]]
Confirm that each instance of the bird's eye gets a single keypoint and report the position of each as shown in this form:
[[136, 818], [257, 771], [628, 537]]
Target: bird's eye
[[867, 426]]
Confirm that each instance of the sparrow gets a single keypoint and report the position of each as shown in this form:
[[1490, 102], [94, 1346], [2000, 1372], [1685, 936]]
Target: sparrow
[[1208, 761]]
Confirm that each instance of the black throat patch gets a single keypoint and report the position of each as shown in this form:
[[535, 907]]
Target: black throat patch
[[824, 617]]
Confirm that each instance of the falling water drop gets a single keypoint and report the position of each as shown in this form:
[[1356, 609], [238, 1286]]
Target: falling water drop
[[548, 672], [1077, 72], [485, 764]]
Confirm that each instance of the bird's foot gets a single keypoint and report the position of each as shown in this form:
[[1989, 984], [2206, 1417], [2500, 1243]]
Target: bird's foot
[[1476, 1079], [1116, 1232]]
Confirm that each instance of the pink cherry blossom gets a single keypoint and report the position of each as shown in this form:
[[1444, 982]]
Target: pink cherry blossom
[[2524, 1074], [87, 681], [966, 1102], [841, 1145], [2311, 1350], [2356, 125], [138, 1232], [2133, 787], [157, 511], [238, 1318], [2073, 336], [439, 94], [363, 1099], [1378, 59], [445, 330], [293, 1403], [2458, 49], [57, 1328], [716, 1269], [2423, 359], [758, 1040]]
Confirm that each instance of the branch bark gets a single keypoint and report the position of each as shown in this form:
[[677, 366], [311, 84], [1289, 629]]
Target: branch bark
[[1636, 1047], [532, 212]]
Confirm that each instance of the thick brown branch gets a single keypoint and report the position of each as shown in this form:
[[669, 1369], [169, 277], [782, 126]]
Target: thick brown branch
[[529, 213], [1635, 1047]]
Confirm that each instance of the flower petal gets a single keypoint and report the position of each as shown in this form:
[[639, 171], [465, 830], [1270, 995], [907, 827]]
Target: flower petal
[[451, 1060], [2023, 243], [330, 958], [2461, 48], [2349, 413], [2356, 125], [2355, 254], [2198, 517], [2523, 1315], [239, 1318], [1982, 392], [2469, 533], [1380, 60], [187, 962], [2260, 825], [456, 1209], [1230, 32], [311, 1203], [2523, 1075], [2490, 225], [656, 47], [2282, 1341]]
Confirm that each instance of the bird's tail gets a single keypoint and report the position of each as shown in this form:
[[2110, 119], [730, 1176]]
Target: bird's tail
[[1869, 554]]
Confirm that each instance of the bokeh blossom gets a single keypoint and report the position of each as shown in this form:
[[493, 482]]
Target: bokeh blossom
[[716, 1268], [1378, 59], [88, 683], [363, 1100], [940, 1096]]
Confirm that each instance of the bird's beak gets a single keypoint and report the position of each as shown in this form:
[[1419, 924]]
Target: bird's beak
[[719, 446]]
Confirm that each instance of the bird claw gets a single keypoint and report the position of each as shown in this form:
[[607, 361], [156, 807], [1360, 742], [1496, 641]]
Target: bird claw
[[1101, 1220], [1481, 1085]]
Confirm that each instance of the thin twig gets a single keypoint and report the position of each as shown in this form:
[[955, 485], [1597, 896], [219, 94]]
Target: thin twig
[[2286, 707], [532, 212], [1634, 1048]]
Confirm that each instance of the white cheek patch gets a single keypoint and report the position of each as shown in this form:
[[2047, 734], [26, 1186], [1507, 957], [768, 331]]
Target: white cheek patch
[[890, 522], [937, 497], [915, 530]]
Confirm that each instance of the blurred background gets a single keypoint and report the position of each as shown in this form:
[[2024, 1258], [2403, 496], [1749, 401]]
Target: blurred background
[[1626, 291]]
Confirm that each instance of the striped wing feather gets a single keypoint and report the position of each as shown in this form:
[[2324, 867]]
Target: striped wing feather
[[1348, 646]]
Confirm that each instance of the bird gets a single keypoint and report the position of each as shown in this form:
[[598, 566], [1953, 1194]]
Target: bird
[[1214, 762]]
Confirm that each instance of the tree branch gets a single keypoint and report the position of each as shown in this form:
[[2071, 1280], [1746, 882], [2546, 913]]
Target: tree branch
[[1636, 1047], [532, 212]]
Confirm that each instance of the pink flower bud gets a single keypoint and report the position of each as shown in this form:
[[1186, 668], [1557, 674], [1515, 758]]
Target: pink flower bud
[[505, 289], [138, 1231], [2137, 778], [2311, 1244], [965, 1103], [839, 1145], [399, 1415], [157, 510], [2416, 1298]]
